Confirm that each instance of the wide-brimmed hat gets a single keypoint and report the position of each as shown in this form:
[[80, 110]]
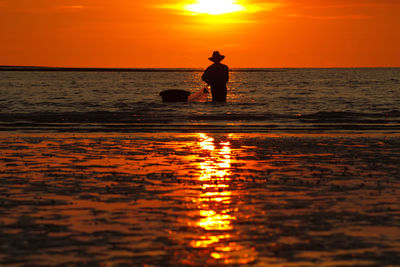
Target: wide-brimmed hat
[[216, 57]]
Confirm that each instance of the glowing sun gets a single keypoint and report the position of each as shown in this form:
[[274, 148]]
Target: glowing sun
[[214, 7]]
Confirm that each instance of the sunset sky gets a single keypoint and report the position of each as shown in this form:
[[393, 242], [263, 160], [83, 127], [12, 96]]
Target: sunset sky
[[182, 33]]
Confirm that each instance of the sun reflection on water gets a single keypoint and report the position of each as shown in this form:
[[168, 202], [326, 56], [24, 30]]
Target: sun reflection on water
[[216, 210]]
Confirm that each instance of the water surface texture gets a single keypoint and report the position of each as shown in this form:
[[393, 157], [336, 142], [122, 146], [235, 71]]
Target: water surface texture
[[299, 168], [199, 199], [278, 100]]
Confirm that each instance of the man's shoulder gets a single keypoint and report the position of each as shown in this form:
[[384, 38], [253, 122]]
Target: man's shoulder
[[217, 66], [212, 66], [224, 67], [220, 65]]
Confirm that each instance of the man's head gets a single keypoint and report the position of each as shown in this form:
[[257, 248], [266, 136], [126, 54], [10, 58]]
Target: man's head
[[216, 57]]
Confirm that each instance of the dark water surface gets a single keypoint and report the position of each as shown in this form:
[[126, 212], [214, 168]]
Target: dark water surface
[[199, 199], [299, 168], [259, 100]]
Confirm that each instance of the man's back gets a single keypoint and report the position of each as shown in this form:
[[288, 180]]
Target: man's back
[[216, 74]]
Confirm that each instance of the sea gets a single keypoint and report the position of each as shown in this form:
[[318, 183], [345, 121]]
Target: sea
[[299, 168], [349, 100]]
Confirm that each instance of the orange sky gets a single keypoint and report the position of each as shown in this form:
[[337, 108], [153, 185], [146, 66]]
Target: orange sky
[[155, 33]]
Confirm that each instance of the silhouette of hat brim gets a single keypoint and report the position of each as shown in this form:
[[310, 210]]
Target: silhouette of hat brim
[[216, 58]]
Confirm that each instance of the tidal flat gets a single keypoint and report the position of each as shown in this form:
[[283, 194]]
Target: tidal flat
[[197, 199]]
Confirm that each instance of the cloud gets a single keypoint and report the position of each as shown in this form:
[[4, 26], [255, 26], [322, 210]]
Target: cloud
[[73, 7], [332, 9], [264, 6], [337, 9], [341, 4], [41, 7], [339, 17]]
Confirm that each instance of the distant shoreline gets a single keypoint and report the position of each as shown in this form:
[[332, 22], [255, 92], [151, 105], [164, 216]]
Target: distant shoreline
[[68, 69]]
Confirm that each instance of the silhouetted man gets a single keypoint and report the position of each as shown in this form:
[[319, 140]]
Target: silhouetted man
[[217, 75]]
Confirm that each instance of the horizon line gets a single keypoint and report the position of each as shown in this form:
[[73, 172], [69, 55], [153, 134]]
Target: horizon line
[[149, 69]]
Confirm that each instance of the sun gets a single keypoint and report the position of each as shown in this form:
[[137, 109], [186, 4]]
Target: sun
[[214, 7]]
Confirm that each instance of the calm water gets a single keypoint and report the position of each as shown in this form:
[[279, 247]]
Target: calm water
[[278, 100], [96, 171]]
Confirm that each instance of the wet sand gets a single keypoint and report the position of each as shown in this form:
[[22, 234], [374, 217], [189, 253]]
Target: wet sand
[[199, 199]]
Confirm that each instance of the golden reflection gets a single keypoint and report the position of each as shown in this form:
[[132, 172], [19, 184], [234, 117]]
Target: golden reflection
[[216, 206], [206, 241], [216, 165], [216, 222]]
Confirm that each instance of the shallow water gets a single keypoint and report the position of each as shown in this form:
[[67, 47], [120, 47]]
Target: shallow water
[[259, 100], [299, 168], [199, 199]]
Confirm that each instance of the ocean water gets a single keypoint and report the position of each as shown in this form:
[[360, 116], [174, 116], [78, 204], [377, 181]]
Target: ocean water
[[259, 101], [216, 199], [96, 170]]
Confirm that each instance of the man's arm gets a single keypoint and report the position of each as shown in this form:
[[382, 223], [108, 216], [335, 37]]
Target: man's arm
[[204, 77], [226, 73]]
